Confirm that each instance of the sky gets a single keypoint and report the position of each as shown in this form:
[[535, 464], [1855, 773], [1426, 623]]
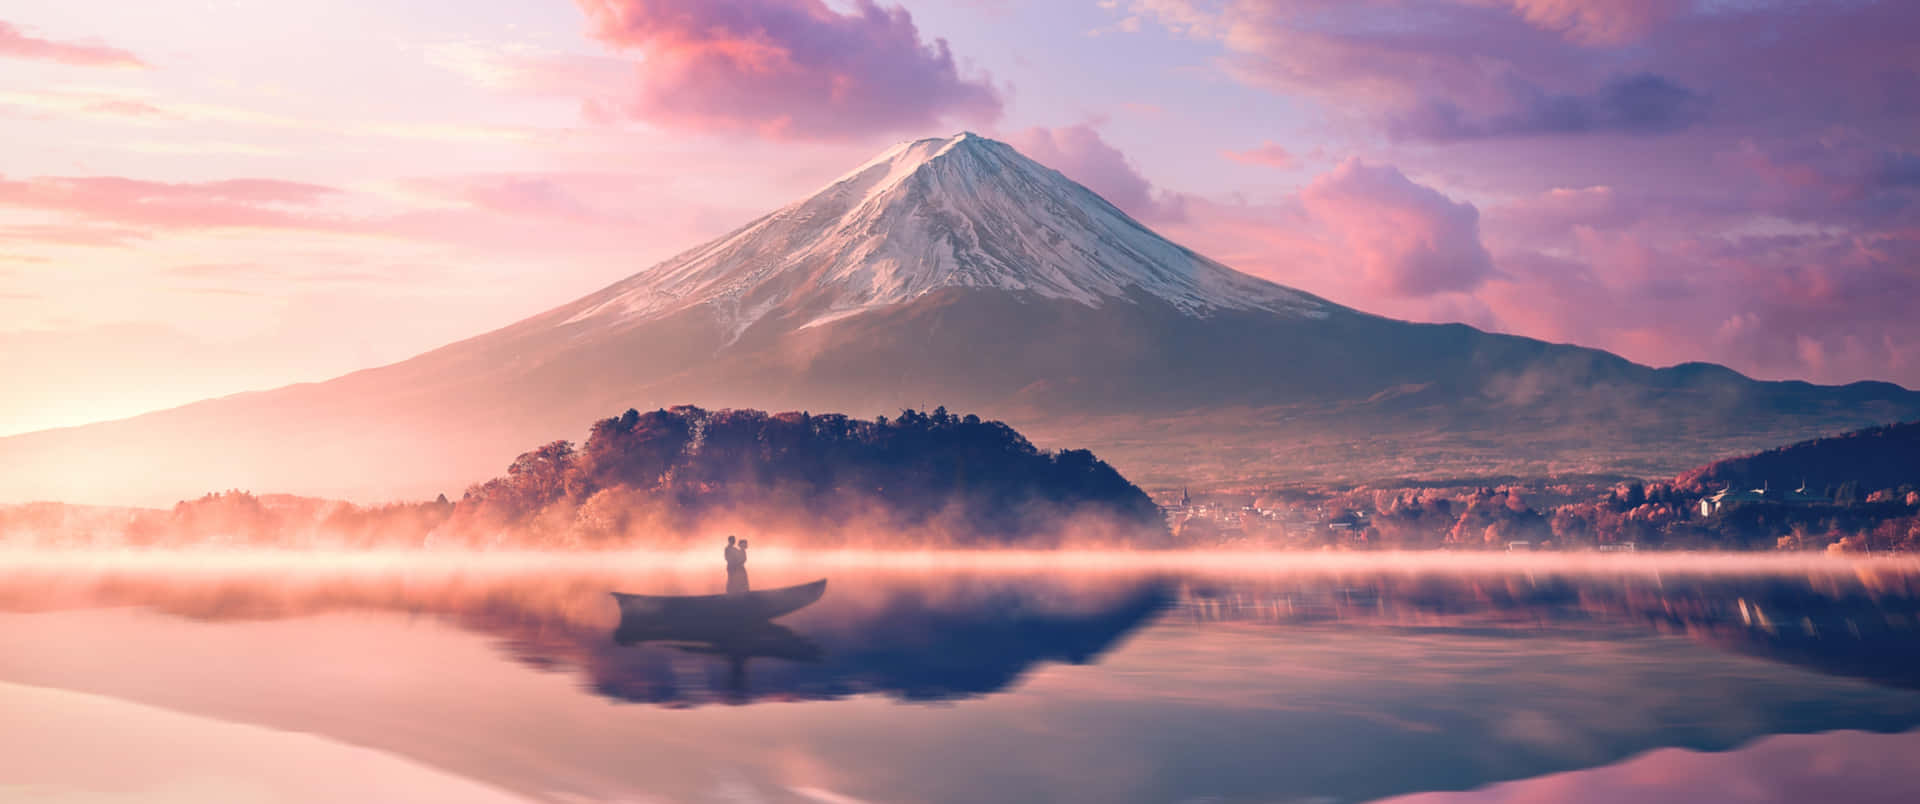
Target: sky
[[202, 197]]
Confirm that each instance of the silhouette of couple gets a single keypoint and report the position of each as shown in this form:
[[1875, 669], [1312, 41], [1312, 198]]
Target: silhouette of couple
[[736, 566]]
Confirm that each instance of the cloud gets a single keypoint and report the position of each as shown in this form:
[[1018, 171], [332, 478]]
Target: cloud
[[1407, 239], [1836, 178], [1636, 104], [1815, 306], [786, 69], [128, 108], [1553, 215], [1454, 70], [109, 104], [1598, 22], [524, 70], [261, 272], [232, 203], [1896, 169], [19, 45], [72, 234], [1466, 71], [1751, 205], [1269, 154], [1084, 156], [586, 198]]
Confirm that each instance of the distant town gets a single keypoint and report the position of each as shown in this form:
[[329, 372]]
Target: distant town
[[1544, 515]]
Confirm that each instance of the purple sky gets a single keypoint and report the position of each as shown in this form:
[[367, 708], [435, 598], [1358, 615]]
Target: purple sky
[[198, 198]]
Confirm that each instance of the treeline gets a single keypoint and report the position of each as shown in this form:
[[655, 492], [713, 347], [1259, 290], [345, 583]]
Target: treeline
[[1859, 491], [1875, 459], [669, 476], [230, 518], [955, 480], [1661, 515]]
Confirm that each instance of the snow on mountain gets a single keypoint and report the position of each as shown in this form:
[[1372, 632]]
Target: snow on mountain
[[964, 211]]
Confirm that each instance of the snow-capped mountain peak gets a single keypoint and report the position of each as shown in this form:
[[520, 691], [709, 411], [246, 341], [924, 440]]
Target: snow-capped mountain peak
[[963, 211]]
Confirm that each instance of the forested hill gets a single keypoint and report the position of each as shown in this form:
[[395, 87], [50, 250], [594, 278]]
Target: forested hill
[[1886, 457], [921, 478], [680, 476]]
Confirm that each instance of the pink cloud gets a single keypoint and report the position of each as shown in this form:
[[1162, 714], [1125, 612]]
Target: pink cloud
[[1830, 307], [577, 215], [586, 198], [1750, 205], [233, 203], [1556, 213], [788, 69], [1084, 156], [72, 234], [1467, 70], [1407, 239], [128, 108], [1644, 103], [1471, 69], [518, 70], [18, 45], [1598, 22], [1269, 154]]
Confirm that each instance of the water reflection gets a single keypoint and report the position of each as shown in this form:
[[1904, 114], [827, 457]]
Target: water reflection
[[935, 636], [1858, 624], [736, 645], [920, 639], [912, 636], [1248, 685]]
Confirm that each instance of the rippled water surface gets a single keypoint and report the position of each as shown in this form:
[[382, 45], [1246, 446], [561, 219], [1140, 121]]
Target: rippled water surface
[[930, 678]]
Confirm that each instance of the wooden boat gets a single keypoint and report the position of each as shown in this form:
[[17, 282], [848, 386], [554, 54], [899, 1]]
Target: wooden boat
[[718, 610]]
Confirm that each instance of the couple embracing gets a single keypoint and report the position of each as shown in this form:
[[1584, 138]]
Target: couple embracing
[[736, 565]]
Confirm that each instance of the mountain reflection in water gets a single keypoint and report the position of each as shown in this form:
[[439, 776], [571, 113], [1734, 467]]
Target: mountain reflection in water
[[913, 636], [1252, 684], [899, 640], [947, 635], [1859, 624]]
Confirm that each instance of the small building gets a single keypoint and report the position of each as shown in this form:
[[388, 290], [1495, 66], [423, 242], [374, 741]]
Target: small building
[[1519, 547], [1715, 502], [1719, 500]]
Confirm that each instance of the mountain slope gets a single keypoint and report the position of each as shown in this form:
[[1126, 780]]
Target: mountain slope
[[1876, 458], [964, 212], [958, 272]]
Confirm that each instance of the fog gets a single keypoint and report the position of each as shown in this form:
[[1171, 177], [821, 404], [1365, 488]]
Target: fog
[[768, 554]]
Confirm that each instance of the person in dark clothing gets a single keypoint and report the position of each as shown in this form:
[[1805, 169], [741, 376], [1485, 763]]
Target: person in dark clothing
[[736, 566]]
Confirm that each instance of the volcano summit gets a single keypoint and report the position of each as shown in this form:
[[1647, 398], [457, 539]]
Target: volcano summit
[[958, 272], [965, 212]]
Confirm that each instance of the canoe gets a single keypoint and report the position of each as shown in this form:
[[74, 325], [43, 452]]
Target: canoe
[[746, 607]]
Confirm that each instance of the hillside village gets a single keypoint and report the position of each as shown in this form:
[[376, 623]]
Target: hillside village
[[1858, 491]]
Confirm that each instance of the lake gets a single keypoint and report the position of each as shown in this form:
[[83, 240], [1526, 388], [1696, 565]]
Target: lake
[[925, 677]]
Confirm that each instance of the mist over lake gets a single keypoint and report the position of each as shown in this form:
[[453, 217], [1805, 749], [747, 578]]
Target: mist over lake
[[934, 677]]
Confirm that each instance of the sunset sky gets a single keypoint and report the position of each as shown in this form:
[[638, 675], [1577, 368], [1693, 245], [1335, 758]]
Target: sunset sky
[[199, 198]]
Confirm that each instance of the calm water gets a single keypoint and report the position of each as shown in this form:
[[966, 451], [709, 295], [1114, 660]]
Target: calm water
[[1260, 678]]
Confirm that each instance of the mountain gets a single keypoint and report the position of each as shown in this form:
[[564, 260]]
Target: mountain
[[958, 272], [1874, 459]]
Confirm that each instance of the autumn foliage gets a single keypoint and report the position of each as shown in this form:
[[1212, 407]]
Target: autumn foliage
[[956, 480]]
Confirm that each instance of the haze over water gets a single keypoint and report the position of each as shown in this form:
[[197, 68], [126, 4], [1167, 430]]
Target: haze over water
[[961, 677]]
